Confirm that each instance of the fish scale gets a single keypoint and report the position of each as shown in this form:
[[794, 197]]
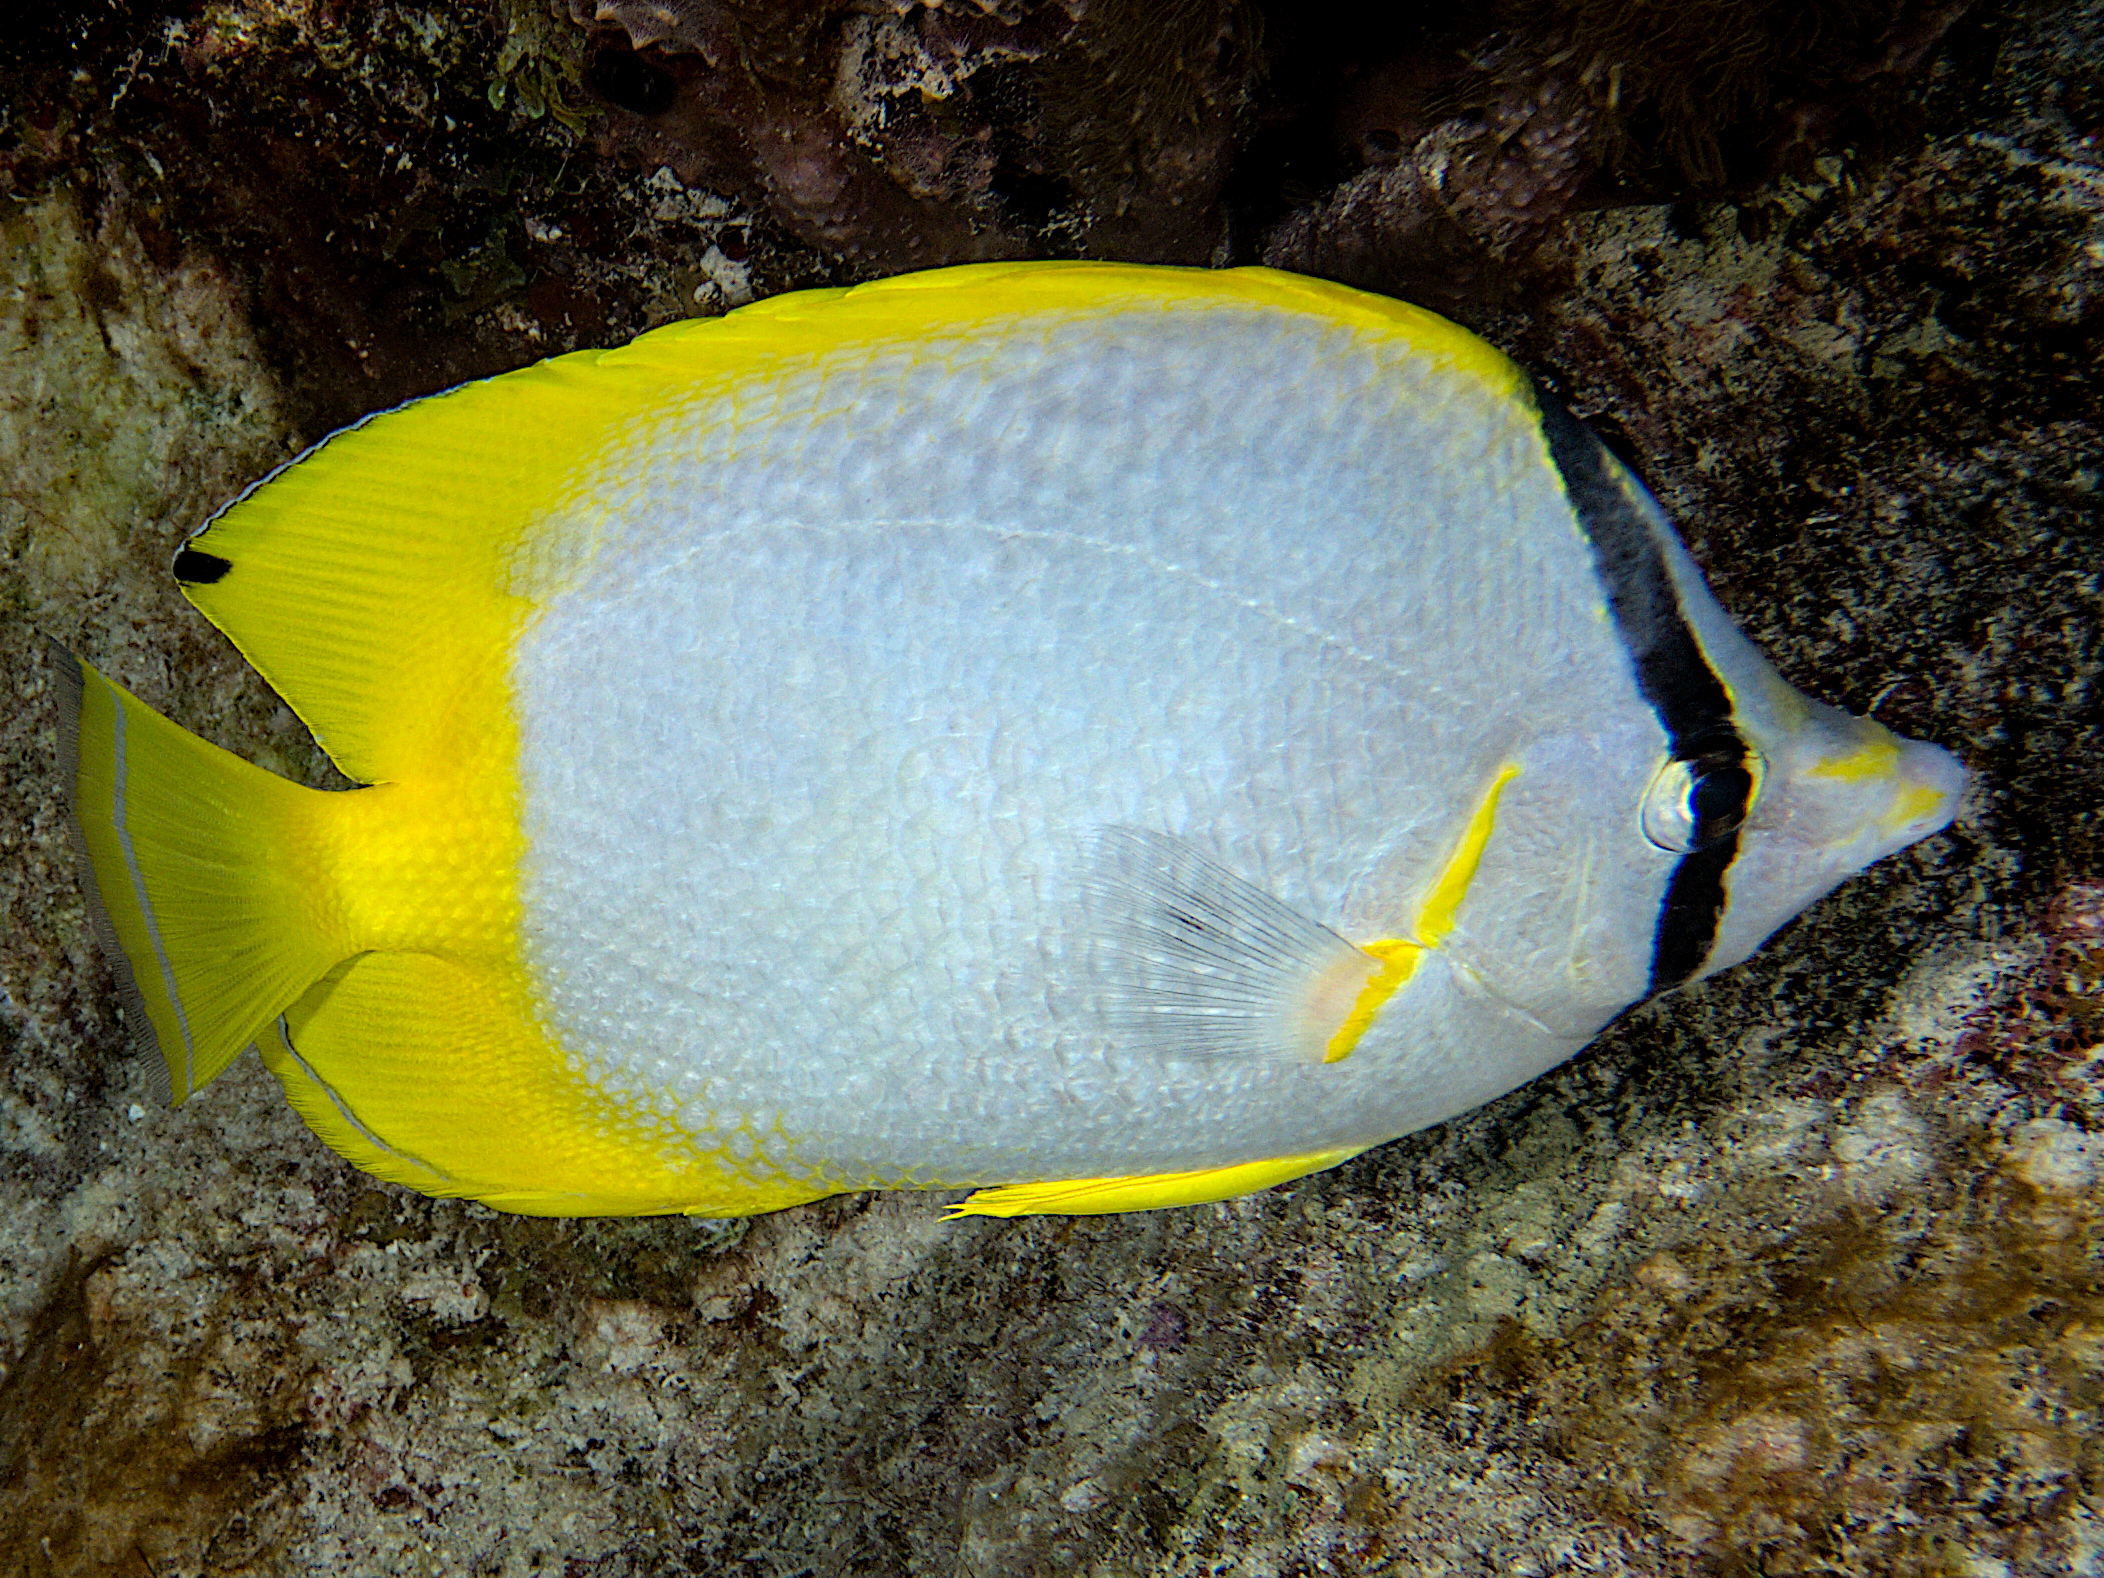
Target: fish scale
[[1115, 737]]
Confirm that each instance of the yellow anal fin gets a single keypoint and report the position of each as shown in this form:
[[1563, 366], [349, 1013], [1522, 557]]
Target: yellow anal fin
[[1154, 1192], [432, 1073]]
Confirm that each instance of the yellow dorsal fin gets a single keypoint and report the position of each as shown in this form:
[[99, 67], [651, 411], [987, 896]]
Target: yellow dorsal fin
[[1101, 1196], [368, 580], [377, 581]]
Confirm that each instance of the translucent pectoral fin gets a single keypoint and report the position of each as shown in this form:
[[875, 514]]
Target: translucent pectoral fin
[[1191, 961], [1102, 1196]]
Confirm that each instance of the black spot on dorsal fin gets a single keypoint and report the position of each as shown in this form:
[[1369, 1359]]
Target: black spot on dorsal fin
[[196, 568]]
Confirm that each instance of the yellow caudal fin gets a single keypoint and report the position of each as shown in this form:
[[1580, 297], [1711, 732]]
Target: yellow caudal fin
[[200, 874], [1101, 1196]]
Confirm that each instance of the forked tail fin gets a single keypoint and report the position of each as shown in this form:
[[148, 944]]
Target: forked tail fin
[[201, 872]]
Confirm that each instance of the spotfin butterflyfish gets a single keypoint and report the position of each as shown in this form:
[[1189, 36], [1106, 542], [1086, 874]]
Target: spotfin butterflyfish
[[1108, 736]]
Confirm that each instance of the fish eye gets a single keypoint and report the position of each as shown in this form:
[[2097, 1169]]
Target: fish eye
[[1701, 798]]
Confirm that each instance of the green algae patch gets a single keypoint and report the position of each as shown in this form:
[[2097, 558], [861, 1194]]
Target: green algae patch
[[540, 66], [121, 1437], [1905, 1382]]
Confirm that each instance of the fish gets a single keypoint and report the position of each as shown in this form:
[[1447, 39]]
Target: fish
[[1102, 736]]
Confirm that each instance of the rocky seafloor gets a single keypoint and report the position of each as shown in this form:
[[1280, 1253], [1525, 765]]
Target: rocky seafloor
[[1798, 1272]]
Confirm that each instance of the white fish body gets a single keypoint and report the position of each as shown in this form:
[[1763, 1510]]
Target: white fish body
[[1139, 732]]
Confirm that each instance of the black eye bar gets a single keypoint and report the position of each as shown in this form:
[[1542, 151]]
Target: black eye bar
[[1722, 788], [1673, 675]]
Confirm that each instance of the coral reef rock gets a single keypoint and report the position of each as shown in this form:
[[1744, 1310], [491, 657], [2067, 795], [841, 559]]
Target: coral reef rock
[[1793, 1273]]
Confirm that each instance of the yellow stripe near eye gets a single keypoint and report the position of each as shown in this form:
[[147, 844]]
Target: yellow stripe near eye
[[1873, 760]]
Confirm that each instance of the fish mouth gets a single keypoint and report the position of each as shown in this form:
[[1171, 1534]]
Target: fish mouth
[[1928, 786], [1868, 792]]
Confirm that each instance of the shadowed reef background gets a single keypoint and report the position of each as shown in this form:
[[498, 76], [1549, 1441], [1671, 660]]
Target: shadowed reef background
[[1801, 1272]]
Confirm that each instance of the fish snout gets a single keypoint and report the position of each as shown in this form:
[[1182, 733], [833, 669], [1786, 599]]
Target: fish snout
[[1927, 783], [1866, 793]]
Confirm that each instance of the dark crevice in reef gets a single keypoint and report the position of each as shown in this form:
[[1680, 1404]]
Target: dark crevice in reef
[[416, 197]]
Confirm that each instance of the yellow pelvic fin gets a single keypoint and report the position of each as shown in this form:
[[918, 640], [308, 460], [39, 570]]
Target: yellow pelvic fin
[[431, 1072], [1101, 1196], [203, 873]]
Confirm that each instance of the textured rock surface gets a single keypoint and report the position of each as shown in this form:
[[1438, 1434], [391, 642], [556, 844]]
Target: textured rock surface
[[1797, 1273]]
